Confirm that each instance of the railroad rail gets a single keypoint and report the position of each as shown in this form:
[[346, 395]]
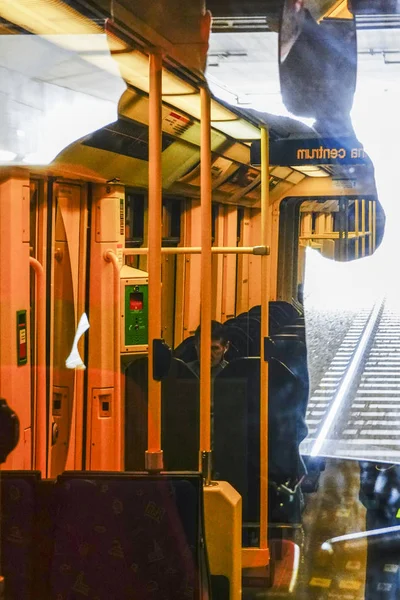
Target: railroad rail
[[355, 411]]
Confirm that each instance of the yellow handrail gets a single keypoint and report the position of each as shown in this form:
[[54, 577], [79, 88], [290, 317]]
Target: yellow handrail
[[258, 250], [373, 226], [154, 455], [206, 289], [363, 228], [370, 227], [356, 228], [264, 333], [259, 557]]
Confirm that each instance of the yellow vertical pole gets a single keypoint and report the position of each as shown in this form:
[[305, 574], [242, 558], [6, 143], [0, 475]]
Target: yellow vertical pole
[[373, 226], [320, 223], [363, 227], [154, 455], [370, 236], [356, 229], [306, 225], [264, 333], [206, 290]]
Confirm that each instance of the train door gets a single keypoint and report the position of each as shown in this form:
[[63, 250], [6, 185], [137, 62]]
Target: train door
[[69, 282], [58, 241], [171, 237], [37, 321]]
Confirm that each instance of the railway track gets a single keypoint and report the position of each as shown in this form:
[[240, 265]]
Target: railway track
[[355, 410]]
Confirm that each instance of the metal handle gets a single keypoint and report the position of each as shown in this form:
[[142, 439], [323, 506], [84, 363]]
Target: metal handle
[[111, 257], [40, 418]]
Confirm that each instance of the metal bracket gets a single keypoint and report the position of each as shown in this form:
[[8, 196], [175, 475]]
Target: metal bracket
[[206, 468], [154, 461], [262, 250]]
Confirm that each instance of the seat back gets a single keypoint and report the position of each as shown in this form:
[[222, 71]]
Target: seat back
[[251, 326], [298, 330], [286, 424], [129, 535], [293, 309], [181, 418], [186, 350], [240, 342], [292, 352], [236, 436], [18, 518], [136, 406]]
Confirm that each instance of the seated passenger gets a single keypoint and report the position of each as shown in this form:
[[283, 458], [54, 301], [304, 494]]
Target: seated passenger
[[219, 346]]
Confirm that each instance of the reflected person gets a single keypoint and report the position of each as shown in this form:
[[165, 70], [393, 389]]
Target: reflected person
[[219, 347], [318, 68]]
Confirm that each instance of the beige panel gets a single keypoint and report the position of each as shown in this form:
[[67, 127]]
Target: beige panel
[[274, 250], [180, 279], [218, 267], [28, 448], [168, 280], [107, 224], [242, 291], [320, 223], [26, 197], [229, 276], [101, 431], [306, 224], [255, 261], [143, 258], [301, 264], [193, 272], [168, 284]]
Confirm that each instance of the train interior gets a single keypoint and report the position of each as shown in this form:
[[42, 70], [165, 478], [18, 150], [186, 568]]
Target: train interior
[[141, 194]]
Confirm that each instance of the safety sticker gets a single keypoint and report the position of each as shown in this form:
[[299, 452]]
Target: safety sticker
[[391, 568], [176, 124], [349, 584], [320, 582]]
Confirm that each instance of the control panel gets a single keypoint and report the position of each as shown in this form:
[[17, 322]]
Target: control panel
[[134, 310]]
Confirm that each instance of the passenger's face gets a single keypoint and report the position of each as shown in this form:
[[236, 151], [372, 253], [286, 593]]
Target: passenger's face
[[218, 349]]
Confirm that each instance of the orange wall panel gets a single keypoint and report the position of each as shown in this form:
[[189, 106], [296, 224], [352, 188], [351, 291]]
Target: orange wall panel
[[15, 380], [107, 202]]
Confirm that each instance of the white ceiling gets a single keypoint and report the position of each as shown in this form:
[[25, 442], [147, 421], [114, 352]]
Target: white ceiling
[[243, 67]]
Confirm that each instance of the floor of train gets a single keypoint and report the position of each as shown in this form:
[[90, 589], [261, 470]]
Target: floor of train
[[331, 511]]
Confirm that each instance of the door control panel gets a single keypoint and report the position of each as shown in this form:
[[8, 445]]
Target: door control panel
[[134, 310]]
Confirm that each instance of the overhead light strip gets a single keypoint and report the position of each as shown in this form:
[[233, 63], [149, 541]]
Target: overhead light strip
[[51, 17]]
